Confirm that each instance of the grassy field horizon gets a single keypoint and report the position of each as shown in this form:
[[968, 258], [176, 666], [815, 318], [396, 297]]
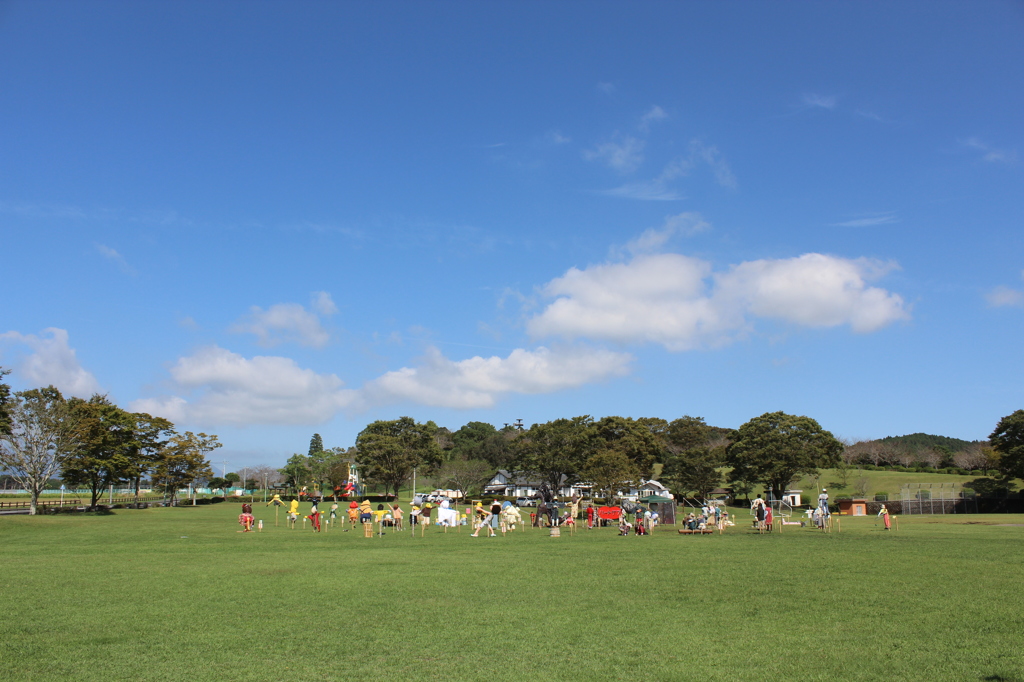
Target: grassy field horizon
[[178, 593]]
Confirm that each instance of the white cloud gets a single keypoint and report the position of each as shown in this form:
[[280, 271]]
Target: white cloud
[[231, 389], [652, 240], [711, 156], [813, 290], [869, 220], [606, 88], [479, 382], [226, 388], [624, 154], [116, 258], [821, 101], [52, 362], [655, 113], [678, 302], [289, 322], [651, 190], [660, 188], [555, 137], [988, 152], [323, 303], [1004, 296]]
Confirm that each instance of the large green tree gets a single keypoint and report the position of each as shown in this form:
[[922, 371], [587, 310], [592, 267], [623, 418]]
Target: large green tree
[[557, 451], [296, 471], [151, 435], [687, 433], [184, 461], [776, 447], [5, 403], [633, 438], [388, 451], [43, 433], [1008, 442], [106, 446], [694, 471], [609, 471]]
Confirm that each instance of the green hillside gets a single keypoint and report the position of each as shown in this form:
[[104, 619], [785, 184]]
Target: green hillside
[[924, 441]]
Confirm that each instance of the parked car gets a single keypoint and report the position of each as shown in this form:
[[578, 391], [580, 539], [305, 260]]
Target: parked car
[[525, 502]]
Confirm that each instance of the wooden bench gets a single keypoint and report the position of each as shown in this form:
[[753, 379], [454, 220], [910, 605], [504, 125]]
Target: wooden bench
[[686, 531]]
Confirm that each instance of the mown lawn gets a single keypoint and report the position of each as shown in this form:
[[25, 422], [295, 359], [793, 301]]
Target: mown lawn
[[178, 594]]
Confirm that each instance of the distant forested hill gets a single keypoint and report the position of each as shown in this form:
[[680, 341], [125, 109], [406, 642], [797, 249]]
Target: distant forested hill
[[924, 441]]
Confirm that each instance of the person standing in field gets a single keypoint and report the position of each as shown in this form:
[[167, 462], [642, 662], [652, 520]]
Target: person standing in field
[[823, 503], [293, 513], [396, 514], [884, 513], [246, 518]]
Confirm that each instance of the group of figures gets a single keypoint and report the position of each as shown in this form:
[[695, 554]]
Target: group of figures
[[644, 521]]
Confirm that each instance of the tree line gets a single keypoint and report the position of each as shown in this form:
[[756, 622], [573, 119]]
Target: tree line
[[687, 455], [94, 444]]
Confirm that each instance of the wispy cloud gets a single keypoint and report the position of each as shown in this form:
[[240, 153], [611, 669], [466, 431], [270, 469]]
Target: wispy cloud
[[116, 258], [289, 322], [713, 158], [864, 113], [623, 154], [811, 99], [52, 361], [1004, 296], [661, 188], [653, 240], [655, 113], [869, 220], [605, 87], [988, 152], [649, 190], [556, 137]]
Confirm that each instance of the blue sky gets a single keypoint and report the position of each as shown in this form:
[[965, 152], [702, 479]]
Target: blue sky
[[265, 220]]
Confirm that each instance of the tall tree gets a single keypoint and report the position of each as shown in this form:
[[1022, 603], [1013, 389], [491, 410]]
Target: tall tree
[[388, 451], [5, 403], [687, 433], [106, 438], [557, 451], [1008, 442], [633, 438], [339, 467], [43, 433], [465, 475], [610, 470], [316, 444], [775, 447], [296, 471], [151, 435], [184, 461], [696, 471]]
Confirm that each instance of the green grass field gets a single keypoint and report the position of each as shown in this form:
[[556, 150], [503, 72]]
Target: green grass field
[[178, 594]]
